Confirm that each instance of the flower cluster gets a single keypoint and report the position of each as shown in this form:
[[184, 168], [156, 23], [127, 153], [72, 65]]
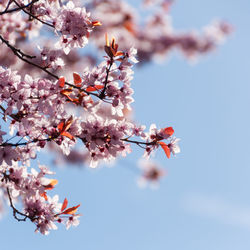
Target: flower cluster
[[52, 58], [67, 99], [155, 139], [11, 26], [155, 36], [38, 110], [104, 138], [74, 25], [31, 188]]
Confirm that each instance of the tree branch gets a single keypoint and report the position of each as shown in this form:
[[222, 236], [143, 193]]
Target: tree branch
[[16, 51], [15, 211], [31, 15], [140, 142], [18, 8], [21, 55], [6, 144], [102, 94]]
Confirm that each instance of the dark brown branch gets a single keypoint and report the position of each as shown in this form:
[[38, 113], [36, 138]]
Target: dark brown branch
[[8, 5], [35, 17], [18, 8], [18, 53], [15, 211], [13, 116], [102, 94], [15, 51], [140, 142], [6, 144]]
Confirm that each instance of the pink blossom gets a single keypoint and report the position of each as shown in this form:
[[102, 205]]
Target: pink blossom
[[151, 174], [72, 221], [75, 25], [173, 145]]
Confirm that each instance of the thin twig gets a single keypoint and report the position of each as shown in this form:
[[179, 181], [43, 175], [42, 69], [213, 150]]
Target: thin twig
[[13, 116], [140, 142], [17, 51], [102, 94], [8, 5], [31, 15], [15, 211], [6, 144], [18, 8]]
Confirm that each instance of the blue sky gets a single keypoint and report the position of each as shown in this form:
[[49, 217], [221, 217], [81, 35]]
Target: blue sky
[[204, 201]]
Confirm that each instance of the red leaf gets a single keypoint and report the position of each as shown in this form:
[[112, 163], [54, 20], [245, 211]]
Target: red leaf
[[67, 134], [51, 185], [113, 51], [44, 195], [77, 79], [96, 23], [108, 51], [60, 126], [68, 123], [64, 205], [66, 92], [64, 126], [169, 131], [76, 101], [94, 88], [119, 53], [165, 148], [71, 210], [53, 182], [61, 82]]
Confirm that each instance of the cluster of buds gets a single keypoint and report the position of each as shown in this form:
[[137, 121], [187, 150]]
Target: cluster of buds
[[31, 188]]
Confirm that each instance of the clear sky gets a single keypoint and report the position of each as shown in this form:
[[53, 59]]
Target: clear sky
[[204, 201]]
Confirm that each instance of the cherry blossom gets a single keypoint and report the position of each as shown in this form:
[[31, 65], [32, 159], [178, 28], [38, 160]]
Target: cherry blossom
[[153, 36], [151, 174], [74, 25], [79, 107]]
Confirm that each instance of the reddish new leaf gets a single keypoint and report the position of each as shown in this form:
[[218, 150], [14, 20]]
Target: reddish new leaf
[[61, 82], [60, 126], [67, 134], [44, 195], [64, 205], [66, 92], [169, 131], [119, 53], [71, 210], [96, 23], [77, 79], [94, 88], [64, 126], [68, 123], [51, 185], [165, 148], [108, 51], [76, 101]]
